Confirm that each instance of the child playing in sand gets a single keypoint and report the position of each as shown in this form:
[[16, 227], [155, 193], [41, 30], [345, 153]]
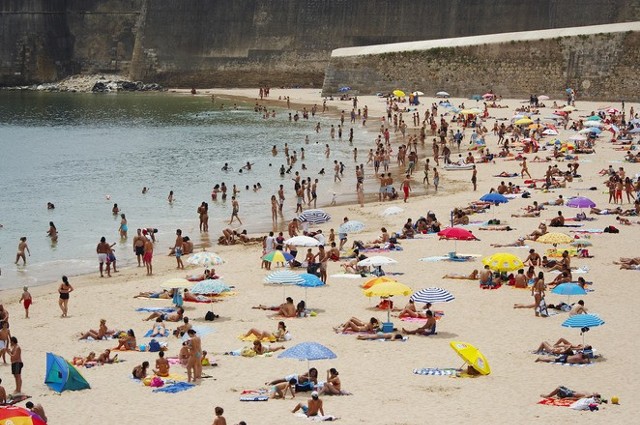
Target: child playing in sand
[[27, 300]]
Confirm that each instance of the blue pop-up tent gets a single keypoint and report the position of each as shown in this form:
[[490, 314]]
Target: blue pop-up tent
[[62, 375]]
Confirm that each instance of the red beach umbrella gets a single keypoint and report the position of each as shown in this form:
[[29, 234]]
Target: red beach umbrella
[[457, 233]]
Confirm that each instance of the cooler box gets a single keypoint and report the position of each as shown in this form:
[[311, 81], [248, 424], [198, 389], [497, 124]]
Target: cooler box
[[387, 327]]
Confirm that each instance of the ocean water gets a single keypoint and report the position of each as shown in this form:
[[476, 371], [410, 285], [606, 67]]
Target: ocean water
[[85, 152]]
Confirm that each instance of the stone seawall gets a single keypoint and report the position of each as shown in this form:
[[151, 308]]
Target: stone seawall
[[599, 66], [250, 42]]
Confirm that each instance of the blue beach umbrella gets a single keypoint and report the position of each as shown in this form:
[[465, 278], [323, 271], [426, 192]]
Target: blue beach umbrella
[[569, 289], [284, 277], [583, 322], [310, 281], [494, 198], [308, 351]]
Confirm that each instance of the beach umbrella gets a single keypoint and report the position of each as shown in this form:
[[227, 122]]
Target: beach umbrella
[[176, 283], [386, 290], [472, 356], [578, 137], [314, 217], [376, 280], [594, 118], [351, 226], [205, 259], [550, 132], [543, 97], [442, 94], [457, 233], [569, 108], [590, 130], [278, 256], [399, 93], [309, 281], [308, 351], [391, 211], [375, 261], [302, 241], [612, 111], [595, 124], [503, 262], [432, 295], [344, 89], [16, 415], [524, 121], [569, 289], [494, 198], [210, 286], [418, 93], [283, 277], [580, 202], [555, 238], [472, 111], [583, 322]]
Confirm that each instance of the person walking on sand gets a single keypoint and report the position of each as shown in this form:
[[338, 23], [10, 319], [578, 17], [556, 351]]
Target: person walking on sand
[[406, 187], [474, 178], [436, 178], [22, 247], [4, 340], [16, 364], [64, 290], [235, 208], [103, 255], [537, 291], [525, 169], [179, 248], [27, 300], [194, 365]]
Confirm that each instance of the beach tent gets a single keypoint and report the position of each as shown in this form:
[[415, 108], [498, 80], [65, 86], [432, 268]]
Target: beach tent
[[62, 375]]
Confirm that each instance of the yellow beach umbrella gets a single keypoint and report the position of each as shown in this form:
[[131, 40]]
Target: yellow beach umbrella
[[524, 121], [376, 281], [503, 262], [399, 93], [472, 111], [386, 290], [534, 126], [555, 238], [472, 356]]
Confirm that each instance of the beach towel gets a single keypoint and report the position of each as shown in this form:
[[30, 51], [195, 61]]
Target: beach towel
[[594, 231], [434, 371], [150, 331], [167, 310], [200, 331], [252, 338], [549, 401], [175, 387], [325, 418], [254, 395]]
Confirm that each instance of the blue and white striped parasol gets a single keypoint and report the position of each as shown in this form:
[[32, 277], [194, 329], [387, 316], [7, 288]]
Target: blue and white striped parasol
[[314, 217], [583, 321], [284, 277], [432, 295], [210, 286], [351, 226]]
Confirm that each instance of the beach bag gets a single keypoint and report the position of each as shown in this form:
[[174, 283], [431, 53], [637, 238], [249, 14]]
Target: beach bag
[[156, 382], [154, 346], [210, 317], [247, 352]]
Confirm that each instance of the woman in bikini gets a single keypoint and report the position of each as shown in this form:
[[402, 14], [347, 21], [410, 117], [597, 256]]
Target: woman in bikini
[[64, 290], [333, 385], [278, 335], [127, 343], [356, 325], [102, 331], [538, 292]]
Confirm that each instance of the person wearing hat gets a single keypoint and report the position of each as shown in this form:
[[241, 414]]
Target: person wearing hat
[[313, 407]]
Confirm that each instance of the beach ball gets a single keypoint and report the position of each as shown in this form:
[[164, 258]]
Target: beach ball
[[615, 400], [108, 197]]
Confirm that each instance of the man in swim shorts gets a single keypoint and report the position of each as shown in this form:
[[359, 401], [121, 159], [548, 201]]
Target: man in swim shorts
[[313, 407], [16, 364], [564, 392], [147, 257], [138, 246], [103, 254], [179, 248]]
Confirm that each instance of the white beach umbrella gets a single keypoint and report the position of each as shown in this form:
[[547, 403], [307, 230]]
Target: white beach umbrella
[[376, 261], [442, 94], [302, 241], [391, 211]]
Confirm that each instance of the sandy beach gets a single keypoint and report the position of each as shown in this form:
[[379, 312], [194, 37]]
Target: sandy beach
[[378, 374]]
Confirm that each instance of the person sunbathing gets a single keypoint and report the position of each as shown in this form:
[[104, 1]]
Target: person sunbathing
[[305, 380], [105, 357], [498, 227], [173, 317], [356, 325], [566, 393], [127, 342], [279, 335], [518, 242], [198, 277], [101, 333], [429, 328], [471, 276], [164, 294], [159, 329], [530, 214], [578, 308], [261, 349], [606, 211], [561, 346], [410, 310], [541, 230], [82, 361], [380, 335], [579, 358], [563, 277], [286, 309]]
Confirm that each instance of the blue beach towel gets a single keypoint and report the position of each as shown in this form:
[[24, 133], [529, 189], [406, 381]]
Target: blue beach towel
[[156, 309], [150, 331], [434, 371], [200, 331], [175, 388]]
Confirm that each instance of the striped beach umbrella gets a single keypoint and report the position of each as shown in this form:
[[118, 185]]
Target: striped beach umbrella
[[314, 216], [278, 256], [583, 322], [210, 286], [205, 259], [432, 295], [284, 277]]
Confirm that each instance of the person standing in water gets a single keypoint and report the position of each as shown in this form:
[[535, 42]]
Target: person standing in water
[[138, 246], [22, 247], [52, 233], [103, 255], [170, 198], [235, 208], [124, 227]]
